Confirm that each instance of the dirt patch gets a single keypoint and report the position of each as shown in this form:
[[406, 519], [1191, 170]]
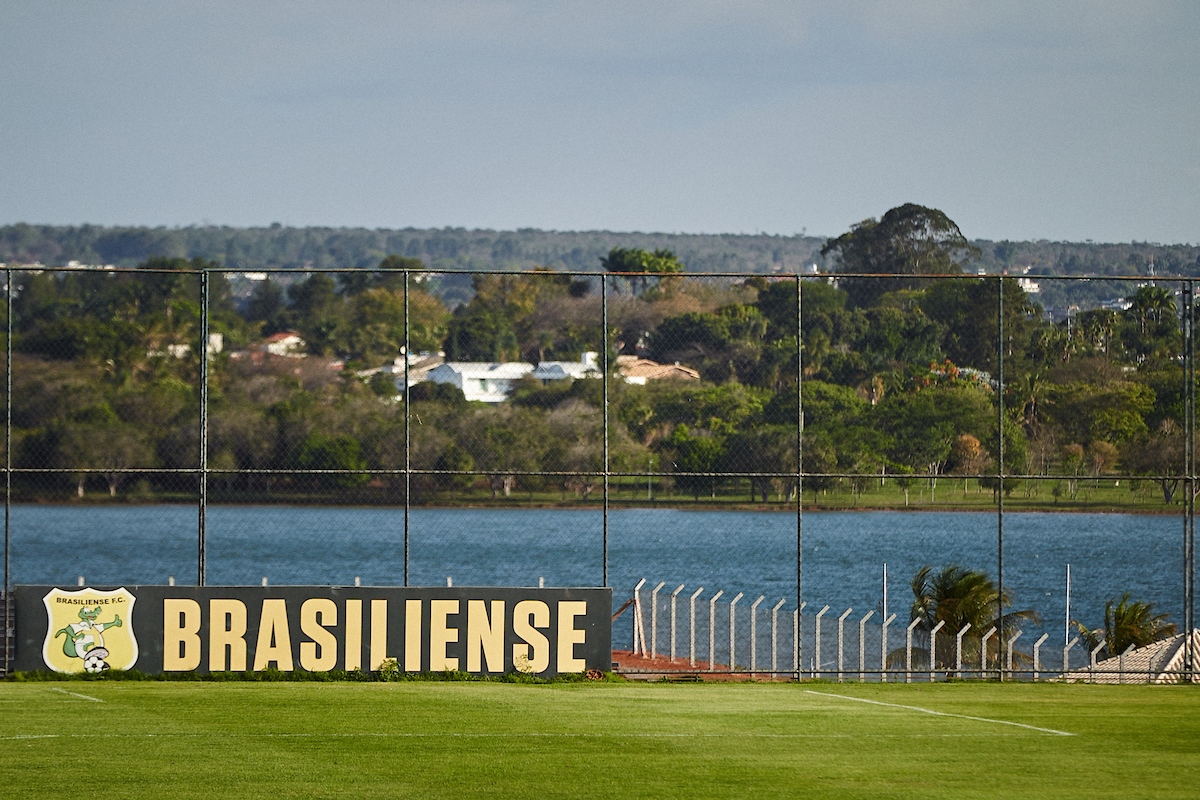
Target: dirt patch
[[637, 666]]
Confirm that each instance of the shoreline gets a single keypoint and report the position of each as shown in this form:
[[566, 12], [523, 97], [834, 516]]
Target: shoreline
[[517, 505]]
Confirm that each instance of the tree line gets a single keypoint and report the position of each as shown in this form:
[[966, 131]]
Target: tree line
[[899, 379], [279, 246]]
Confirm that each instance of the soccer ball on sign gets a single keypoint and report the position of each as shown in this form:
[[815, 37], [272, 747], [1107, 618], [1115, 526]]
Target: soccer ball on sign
[[94, 660]]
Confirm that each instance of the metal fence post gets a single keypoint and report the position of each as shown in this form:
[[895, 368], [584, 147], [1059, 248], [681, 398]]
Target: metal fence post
[[1189, 480], [1008, 660], [775, 636], [999, 453], [674, 594], [712, 629], [654, 619], [958, 650], [605, 366], [816, 670], [692, 626], [202, 498], [733, 630], [754, 634], [983, 652], [1037, 659], [862, 646], [908, 650], [637, 617], [7, 620], [408, 433], [797, 634], [1092, 668], [883, 647], [933, 648], [799, 444], [841, 629]]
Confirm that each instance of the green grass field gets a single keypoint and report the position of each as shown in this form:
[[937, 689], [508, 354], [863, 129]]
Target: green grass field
[[424, 739]]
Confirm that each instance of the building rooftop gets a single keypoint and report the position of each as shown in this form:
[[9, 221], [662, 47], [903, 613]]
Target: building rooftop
[[1160, 662]]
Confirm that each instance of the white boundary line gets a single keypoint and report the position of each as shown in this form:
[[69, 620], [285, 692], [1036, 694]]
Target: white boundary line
[[941, 713], [76, 694], [533, 735]]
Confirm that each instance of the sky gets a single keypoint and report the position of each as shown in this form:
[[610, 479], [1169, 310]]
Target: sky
[[1070, 120]]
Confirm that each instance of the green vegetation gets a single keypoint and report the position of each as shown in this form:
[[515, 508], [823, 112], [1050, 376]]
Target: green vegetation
[[1127, 623], [599, 740], [900, 402], [955, 599]]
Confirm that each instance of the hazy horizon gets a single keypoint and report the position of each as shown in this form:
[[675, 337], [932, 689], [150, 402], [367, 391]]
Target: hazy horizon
[[1021, 121], [809, 234]]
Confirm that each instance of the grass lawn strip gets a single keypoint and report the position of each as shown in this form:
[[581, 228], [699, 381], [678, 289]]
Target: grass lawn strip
[[601, 740]]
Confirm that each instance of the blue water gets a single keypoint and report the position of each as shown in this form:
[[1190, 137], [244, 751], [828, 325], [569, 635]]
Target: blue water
[[751, 552]]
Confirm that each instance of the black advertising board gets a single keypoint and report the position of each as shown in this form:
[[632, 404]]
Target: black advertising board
[[154, 629]]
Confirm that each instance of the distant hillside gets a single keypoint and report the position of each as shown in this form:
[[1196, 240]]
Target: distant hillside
[[458, 248], [446, 248]]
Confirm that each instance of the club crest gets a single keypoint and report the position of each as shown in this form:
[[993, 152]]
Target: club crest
[[89, 630]]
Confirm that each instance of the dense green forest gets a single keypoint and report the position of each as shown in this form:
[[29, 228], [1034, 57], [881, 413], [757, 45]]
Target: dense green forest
[[279, 247], [899, 392]]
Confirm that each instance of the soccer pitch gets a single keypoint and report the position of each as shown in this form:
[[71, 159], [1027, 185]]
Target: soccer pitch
[[434, 739]]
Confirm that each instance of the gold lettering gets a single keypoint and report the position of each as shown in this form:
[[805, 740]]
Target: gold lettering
[[534, 655], [485, 638], [378, 633], [181, 634], [319, 655], [353, 634], [569, 635], [274, 637], [441, 634], [226, 632], [412, 635]]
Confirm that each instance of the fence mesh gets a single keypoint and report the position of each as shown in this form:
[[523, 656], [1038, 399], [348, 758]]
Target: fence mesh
[[337, 427]]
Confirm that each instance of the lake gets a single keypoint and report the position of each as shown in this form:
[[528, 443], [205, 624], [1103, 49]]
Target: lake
[[737, 551]]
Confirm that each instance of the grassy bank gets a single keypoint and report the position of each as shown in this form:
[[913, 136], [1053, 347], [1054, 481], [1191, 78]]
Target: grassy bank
[[598, 740], [949, 494]]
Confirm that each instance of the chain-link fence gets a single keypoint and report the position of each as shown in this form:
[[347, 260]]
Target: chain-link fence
[[753, 443]]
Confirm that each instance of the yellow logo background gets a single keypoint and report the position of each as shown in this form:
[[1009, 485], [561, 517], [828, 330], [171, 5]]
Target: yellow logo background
[[107, 622]]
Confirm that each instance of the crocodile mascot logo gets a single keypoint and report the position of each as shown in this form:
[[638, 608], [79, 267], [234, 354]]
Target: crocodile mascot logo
[[89, 630]]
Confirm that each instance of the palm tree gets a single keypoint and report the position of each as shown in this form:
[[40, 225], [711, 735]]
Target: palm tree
[[1098, 326], [1150, 305], [959, 596], [1127, 623], [1031, 392]]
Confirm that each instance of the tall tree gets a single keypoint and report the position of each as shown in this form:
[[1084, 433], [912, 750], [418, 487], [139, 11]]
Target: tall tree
[[633, 260], [908, 240]]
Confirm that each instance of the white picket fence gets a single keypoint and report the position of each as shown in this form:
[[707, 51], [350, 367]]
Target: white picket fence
[[784, 653]]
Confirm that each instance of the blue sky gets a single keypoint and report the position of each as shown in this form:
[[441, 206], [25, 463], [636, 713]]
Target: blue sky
[[1021, 120]]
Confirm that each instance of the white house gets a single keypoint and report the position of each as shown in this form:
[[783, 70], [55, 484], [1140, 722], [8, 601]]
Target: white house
[[489, 383], [216, 343], [1029, 285], [586, 367], [284, 343]]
